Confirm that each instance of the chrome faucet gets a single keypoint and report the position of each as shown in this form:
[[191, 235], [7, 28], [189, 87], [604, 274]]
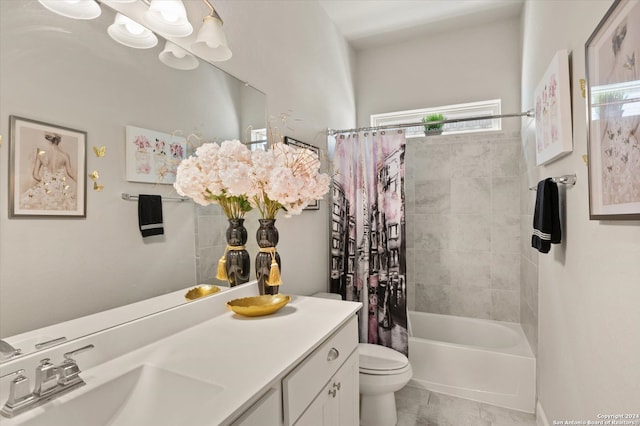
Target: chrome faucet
[[46, 378], [52, 381]]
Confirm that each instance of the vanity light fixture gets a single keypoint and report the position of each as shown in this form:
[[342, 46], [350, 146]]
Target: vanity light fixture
[[176, 57], [128, 32], [211, 43], [76, 9], [169, 18]]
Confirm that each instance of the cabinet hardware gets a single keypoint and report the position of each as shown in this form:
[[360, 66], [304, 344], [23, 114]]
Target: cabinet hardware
[[333, 354]]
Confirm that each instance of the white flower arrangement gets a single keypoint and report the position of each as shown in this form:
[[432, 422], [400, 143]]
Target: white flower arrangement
[[286, 178], [281, 178], [218, 174]]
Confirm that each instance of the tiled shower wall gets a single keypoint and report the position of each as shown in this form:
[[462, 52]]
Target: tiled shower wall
[[528, 256], [463, 225], [211, 226]]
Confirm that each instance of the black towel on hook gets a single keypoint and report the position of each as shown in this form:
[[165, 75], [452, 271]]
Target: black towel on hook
[[546, 217], [150, 215]]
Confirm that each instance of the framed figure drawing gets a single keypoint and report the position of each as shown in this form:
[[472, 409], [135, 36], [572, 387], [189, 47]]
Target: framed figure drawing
[[47, 169], [613, 109], [152, 156], [290, 141], [554, 137]]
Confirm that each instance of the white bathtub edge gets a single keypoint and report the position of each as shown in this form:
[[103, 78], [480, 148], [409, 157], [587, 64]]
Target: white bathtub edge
[[474, 372], [511, 402], [541, 417]]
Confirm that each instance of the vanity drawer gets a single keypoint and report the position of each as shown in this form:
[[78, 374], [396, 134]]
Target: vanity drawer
[[302, 385]]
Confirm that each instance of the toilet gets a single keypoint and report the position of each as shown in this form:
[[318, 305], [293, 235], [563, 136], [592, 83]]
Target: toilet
[[383, 371]]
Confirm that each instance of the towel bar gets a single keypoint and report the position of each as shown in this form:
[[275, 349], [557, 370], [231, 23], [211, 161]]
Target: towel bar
[[130, 197], [564, 179]]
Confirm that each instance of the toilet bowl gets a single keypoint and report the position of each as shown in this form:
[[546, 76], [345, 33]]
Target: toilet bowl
[[383, 371]]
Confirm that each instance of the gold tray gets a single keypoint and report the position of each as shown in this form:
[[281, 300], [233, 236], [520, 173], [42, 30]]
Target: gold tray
[[201, 291], [258, 305]]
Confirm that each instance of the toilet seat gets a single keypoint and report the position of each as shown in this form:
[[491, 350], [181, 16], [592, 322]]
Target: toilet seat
[[381, 361]]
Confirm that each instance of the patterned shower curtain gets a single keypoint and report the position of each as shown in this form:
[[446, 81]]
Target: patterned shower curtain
[[368, 245]]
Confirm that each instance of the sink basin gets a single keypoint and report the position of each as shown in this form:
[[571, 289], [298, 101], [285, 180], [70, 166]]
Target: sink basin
[[146, 395]]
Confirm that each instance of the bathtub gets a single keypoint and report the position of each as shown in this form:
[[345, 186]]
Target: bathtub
[[481, 360]]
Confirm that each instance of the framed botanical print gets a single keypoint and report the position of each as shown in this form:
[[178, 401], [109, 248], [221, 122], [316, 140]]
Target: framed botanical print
[[315, 205], [47, 169], [554, 137], [152, 156], [613, 110]]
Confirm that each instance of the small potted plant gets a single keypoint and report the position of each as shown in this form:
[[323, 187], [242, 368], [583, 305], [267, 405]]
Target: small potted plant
[[433, 129]]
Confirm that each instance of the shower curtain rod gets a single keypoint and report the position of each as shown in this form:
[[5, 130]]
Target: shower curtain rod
[[529, 113]]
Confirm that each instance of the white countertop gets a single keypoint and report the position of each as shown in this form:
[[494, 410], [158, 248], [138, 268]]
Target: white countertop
[[245, 356], [89, 324]]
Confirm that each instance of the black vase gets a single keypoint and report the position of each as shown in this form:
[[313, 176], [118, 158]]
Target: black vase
[[238, 262], [267, 237]]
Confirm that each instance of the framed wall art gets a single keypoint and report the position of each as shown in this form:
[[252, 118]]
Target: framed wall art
[[152, 156], [613, 110], [315, 205], [554, 137], [47, 169]]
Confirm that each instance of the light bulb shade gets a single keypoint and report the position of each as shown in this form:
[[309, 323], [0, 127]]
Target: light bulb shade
[[168, 17], [176, 57], [211, 43], [76, 9], [128, 32]]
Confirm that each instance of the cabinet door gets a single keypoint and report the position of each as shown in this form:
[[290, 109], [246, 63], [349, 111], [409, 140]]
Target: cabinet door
[[347, 396], [337, 403], [315, 413]]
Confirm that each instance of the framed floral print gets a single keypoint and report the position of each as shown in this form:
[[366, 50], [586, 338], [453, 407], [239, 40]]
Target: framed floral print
[[554, 137], [152, 156], [47, 169], [613, 110]]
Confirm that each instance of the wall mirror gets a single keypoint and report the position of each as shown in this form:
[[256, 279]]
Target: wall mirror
[[70, 73]]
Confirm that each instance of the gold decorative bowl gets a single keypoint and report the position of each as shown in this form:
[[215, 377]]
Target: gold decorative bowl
[[258, 305], [201, 291]]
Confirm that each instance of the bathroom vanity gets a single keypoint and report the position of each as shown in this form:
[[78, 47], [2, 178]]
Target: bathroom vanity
[[201, 364]]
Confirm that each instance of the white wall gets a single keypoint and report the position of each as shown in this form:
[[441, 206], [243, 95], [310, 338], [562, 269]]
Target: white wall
[[589, 286], [291, 51], [457, 66]]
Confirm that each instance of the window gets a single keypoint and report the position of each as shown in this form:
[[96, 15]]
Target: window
[[258, 139], [468, 110]]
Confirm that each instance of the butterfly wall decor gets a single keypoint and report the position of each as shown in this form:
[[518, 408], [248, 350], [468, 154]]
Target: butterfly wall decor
[[100, 152], [94, 175]]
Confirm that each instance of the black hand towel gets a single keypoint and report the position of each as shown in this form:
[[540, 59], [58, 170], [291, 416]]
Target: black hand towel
[[150, 215], [546, 218]]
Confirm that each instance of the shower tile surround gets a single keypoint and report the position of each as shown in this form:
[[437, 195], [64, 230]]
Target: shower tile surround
[[463, 215], [210, 228], [529, 175]]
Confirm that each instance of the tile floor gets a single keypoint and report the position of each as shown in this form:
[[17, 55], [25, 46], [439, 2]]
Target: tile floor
[[420, 407]]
